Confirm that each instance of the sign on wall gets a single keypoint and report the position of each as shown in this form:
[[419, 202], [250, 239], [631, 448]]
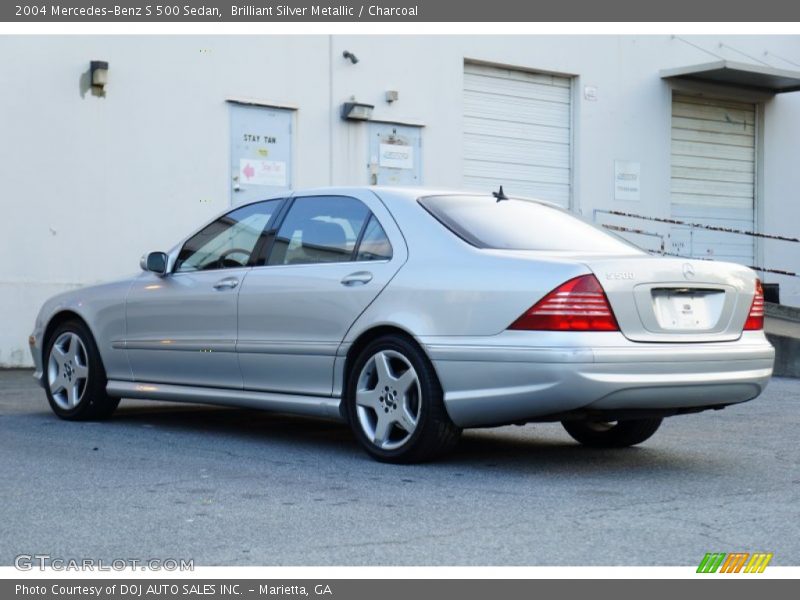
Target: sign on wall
[[261, 152], [627, 180], [395, 154], [268, 173]]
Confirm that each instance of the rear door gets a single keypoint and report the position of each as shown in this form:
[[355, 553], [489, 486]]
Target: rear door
[[329, 258]]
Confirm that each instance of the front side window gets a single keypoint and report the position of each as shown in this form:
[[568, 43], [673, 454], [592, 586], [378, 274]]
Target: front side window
[[229, 241], [319, 229]]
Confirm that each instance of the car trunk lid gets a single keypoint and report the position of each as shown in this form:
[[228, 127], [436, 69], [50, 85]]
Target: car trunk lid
[[659, 299]]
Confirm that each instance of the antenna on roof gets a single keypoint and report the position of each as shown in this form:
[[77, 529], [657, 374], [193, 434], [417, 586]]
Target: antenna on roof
[[500, 195]]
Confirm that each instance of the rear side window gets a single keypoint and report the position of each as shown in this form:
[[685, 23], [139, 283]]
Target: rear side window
[[319, 229], [374, 244], [520, 225]]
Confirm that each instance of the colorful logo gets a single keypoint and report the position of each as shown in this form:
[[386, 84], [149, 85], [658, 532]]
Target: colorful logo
[[737, 562]]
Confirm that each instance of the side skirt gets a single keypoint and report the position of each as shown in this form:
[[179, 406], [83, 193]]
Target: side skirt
[[314, 406]]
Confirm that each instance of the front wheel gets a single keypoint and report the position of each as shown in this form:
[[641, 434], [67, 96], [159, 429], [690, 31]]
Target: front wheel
[[75, 380], [612, 434], [395, 403]]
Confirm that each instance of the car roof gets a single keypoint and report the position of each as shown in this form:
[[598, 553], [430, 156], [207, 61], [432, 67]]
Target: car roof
[[409, 193], [414, 193], [394, 193]]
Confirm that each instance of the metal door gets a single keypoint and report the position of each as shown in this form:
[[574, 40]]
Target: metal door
[[261, 152], [395, 153], [293, 317], [713, 176], [517, 132]]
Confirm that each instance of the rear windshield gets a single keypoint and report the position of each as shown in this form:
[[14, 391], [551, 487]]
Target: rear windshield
[[520, 225]]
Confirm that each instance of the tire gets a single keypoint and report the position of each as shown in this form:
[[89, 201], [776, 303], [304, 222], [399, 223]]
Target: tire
[[617, 434], [394, 403], [75, 379]]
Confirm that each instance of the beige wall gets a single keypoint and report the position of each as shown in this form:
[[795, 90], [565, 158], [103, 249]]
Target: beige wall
[[88, 184]]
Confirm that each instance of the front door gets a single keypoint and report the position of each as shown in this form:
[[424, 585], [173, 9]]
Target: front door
[[331, 257], [181, 328]]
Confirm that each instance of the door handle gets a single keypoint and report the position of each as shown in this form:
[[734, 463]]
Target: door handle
[[360, 277], [226, 284]]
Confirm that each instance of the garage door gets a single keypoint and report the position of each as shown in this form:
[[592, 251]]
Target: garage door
[[713, 176], [517, 132]]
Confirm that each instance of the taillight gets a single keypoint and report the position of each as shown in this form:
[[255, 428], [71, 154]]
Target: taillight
[[755, 319], [578, 305]]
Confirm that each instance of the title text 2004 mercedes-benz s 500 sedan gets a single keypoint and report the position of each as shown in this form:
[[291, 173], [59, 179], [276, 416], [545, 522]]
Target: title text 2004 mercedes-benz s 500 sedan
[[411, 315]]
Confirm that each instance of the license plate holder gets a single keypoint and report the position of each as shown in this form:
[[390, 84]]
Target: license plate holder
[[687, 309]]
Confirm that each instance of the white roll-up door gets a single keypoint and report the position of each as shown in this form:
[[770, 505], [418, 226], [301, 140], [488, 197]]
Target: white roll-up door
[[517, 132], [713, 176]]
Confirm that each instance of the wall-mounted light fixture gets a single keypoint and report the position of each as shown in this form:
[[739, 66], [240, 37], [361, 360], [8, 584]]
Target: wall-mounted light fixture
[[98, 69], [357, 111], [350, 56], [392, 96]]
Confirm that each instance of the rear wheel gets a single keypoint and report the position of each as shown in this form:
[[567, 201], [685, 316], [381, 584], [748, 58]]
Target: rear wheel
[[395, 403], [612, 434], [75, 380]]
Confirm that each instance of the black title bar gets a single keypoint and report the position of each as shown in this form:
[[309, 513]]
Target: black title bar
[[148, 11]]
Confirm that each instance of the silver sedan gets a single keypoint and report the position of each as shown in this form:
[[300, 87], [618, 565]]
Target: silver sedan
[[411, 315]]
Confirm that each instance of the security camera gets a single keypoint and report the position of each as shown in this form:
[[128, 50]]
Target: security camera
[[349, 55]]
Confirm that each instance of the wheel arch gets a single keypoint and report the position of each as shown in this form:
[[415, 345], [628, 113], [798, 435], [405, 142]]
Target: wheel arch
[[365, 338], [431, 436], [59, 318], [93, 402]]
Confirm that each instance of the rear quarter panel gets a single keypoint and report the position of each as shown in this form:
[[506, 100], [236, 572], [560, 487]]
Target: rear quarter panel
[[448, 287]]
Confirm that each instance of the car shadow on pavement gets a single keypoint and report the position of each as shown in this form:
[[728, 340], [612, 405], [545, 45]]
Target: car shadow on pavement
[[540, 448], [243, 424], [533, 448]]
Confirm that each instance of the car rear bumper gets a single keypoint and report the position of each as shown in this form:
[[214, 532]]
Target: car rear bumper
[[509, 378]]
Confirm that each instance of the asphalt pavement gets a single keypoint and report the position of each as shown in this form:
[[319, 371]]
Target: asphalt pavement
[[242, 487]]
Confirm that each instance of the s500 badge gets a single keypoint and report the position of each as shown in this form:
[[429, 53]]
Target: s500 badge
[[621, 275]]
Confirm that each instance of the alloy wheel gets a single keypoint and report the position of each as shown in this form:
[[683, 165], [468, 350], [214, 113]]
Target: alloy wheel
[[388, 400], [68, 370]]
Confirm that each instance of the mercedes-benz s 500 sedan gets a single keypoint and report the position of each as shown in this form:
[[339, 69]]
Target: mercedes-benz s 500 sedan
[[412, 314]]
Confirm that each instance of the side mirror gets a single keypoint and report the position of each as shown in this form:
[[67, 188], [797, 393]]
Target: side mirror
[[155, 262]]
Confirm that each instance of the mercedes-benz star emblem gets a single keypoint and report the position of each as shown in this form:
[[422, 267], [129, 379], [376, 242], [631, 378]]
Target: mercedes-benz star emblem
[[688, 271]]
